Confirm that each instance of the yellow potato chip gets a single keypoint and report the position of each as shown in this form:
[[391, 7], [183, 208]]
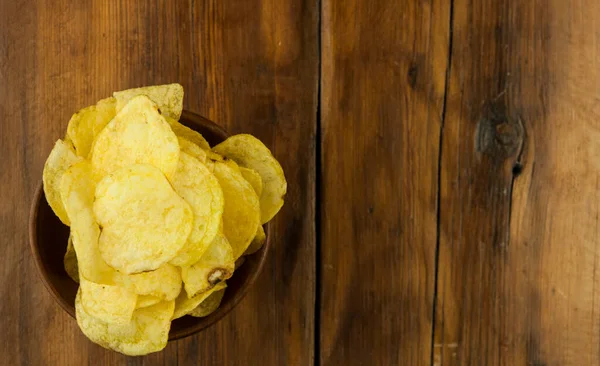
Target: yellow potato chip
[[152, 208], [198, 187], [163, 283], [187, 133], [60, 159], [111, 304], [249, 152], [241, 213], [215, 266], [146, 300], [253, 178], [256, 181], [85, 125], [214, 156], [77, 193], [70, 261], [184, 304], [79, 130], [137, 135], [211, 158], [68, 141], [209, 305], [257, 242], [144, 222], [147, 332], [168, 97], [105, 112], [192, 149]]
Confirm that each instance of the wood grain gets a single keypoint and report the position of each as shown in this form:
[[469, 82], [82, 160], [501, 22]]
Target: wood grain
[[383, 80], [449, 161], [249, 65], [519, 187]]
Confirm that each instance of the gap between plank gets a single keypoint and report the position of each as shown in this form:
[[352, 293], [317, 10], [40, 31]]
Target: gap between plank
[[318, 182], [439, 183]]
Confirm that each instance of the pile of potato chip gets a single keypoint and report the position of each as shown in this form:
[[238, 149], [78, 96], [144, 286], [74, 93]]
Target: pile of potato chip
[[158, 218]]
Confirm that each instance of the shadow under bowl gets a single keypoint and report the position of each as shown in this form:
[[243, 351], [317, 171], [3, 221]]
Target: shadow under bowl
[[48, 240]]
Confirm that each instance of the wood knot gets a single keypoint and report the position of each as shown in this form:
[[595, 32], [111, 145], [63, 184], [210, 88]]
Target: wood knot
[[506, 134], [411, 75], [498, 135]]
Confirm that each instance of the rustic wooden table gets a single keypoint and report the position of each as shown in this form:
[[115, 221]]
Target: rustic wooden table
[[442, 158]]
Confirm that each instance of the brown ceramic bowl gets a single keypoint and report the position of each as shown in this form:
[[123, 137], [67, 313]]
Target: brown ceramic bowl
[[48, 240]]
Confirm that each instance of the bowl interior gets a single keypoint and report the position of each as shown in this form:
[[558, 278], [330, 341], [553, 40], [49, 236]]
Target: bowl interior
[[48, 239]]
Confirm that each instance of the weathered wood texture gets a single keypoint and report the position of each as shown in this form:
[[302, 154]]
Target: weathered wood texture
[[519, 186], [251, 66], [458, 201], [383, 81]]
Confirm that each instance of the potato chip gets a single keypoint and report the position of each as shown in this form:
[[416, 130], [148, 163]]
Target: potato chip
[[146, 300], [234, 166], [68, 141], [198, 187], [153, 209], [60, 159], [79, 130], [77, 193], [111, 304], [105, 112], [257, 242], [216, 265], [137, 135], [147, 332], [192, 149], [253, 178], [144, 222], [168, 97], [85, 125], [249, 152], [241, 214], [70, 261], [184, 304], [163, 283], [214, 156], [209, 305], [187, 133], [256, 181]]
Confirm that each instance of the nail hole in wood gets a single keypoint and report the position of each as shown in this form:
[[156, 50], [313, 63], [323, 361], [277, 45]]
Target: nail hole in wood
[[517, 169]]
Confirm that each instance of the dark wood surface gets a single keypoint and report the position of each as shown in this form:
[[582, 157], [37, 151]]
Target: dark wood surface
[[520, 195], [382, 94], [442, 160]]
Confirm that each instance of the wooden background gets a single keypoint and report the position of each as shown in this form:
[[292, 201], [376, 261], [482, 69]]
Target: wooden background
[[442, 157]]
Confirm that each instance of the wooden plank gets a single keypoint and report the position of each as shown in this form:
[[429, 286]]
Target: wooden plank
[[519, 186], [249, 65], [383, 80], [16, 59], [260, 76]]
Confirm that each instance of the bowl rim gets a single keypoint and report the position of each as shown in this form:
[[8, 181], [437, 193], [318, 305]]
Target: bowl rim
[[209, 320]]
